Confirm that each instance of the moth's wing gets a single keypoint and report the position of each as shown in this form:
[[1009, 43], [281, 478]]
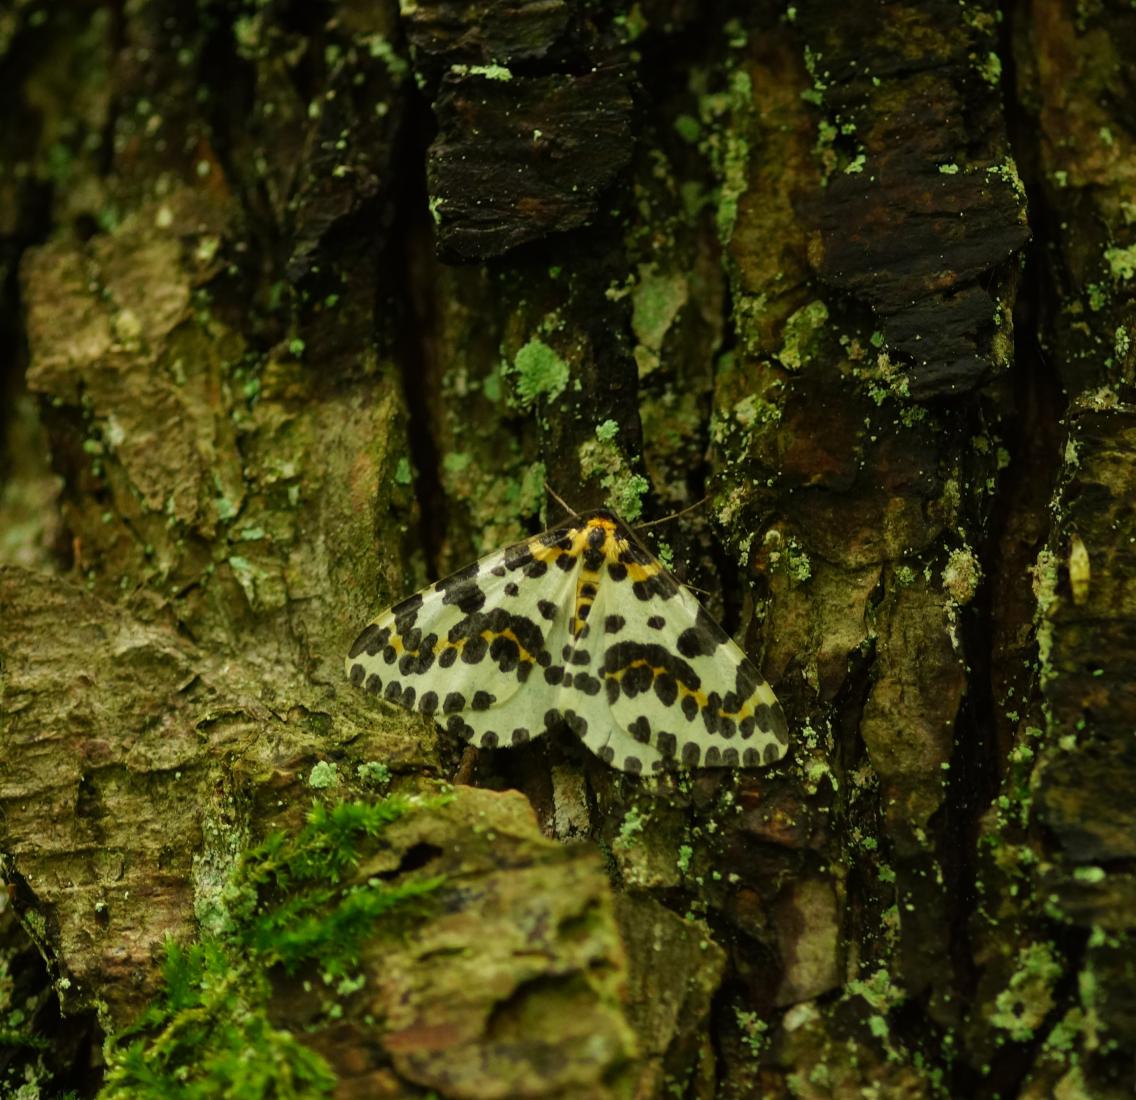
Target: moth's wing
[[472, 650], [671, 683]]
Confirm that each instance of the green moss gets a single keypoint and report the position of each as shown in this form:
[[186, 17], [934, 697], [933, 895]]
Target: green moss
[[291, 903], [402, 472]]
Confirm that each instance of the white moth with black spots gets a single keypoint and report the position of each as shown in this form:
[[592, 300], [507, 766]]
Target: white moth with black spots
[[579, 627]]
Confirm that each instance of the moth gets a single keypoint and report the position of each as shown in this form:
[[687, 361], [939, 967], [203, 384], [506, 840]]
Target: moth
[[579, 627]]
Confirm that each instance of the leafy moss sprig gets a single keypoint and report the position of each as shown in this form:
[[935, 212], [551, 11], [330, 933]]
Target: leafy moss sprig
[[208, 1034]]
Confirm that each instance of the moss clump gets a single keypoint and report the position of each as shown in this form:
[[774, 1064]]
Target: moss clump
[[291, 902]]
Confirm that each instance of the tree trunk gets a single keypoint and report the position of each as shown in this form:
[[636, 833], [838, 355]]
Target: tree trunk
[[305, 304]]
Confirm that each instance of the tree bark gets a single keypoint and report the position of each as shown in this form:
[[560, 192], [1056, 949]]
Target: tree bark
[[305, 305]]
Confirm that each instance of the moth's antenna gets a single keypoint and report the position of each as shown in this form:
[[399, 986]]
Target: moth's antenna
[[560, 500], [673, 515]]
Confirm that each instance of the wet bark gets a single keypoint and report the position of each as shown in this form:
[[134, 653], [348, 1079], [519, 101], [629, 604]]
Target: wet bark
[[304, 305]]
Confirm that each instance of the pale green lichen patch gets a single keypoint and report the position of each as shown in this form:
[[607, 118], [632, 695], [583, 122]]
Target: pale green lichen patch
[[1121, 262], [656, 301], [324, 774], [489, 72], [803, 331], [1022, 1006], [538, 372], [603, 461], [961, 575]]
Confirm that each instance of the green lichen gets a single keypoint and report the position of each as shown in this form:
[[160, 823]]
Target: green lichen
[[801, 334], [403, 475], [291, 904], [607, 431], [323, 775], [538, 373], [605, 462], [724, 118], [381, 49], [1028, 998], [990, 69], [1121, 261], [489, 72], [374, 772], [456, 461], [655, 302]]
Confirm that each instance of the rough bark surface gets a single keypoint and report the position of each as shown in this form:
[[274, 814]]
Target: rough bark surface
[[302, 305]]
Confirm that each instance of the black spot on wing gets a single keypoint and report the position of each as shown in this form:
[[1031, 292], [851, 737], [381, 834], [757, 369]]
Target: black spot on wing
[[637, 665], [617, 571], [358, 674], [656, 586], [640, 729], [547, 609], [631, 552], [613, 624], [457, 725], [517, 557], [778, 723], [576, 723], [429, 702], [511, 589], [703, 638], [407, 607], [482, 700], [666, 688], [370, 641], [666, 743]]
